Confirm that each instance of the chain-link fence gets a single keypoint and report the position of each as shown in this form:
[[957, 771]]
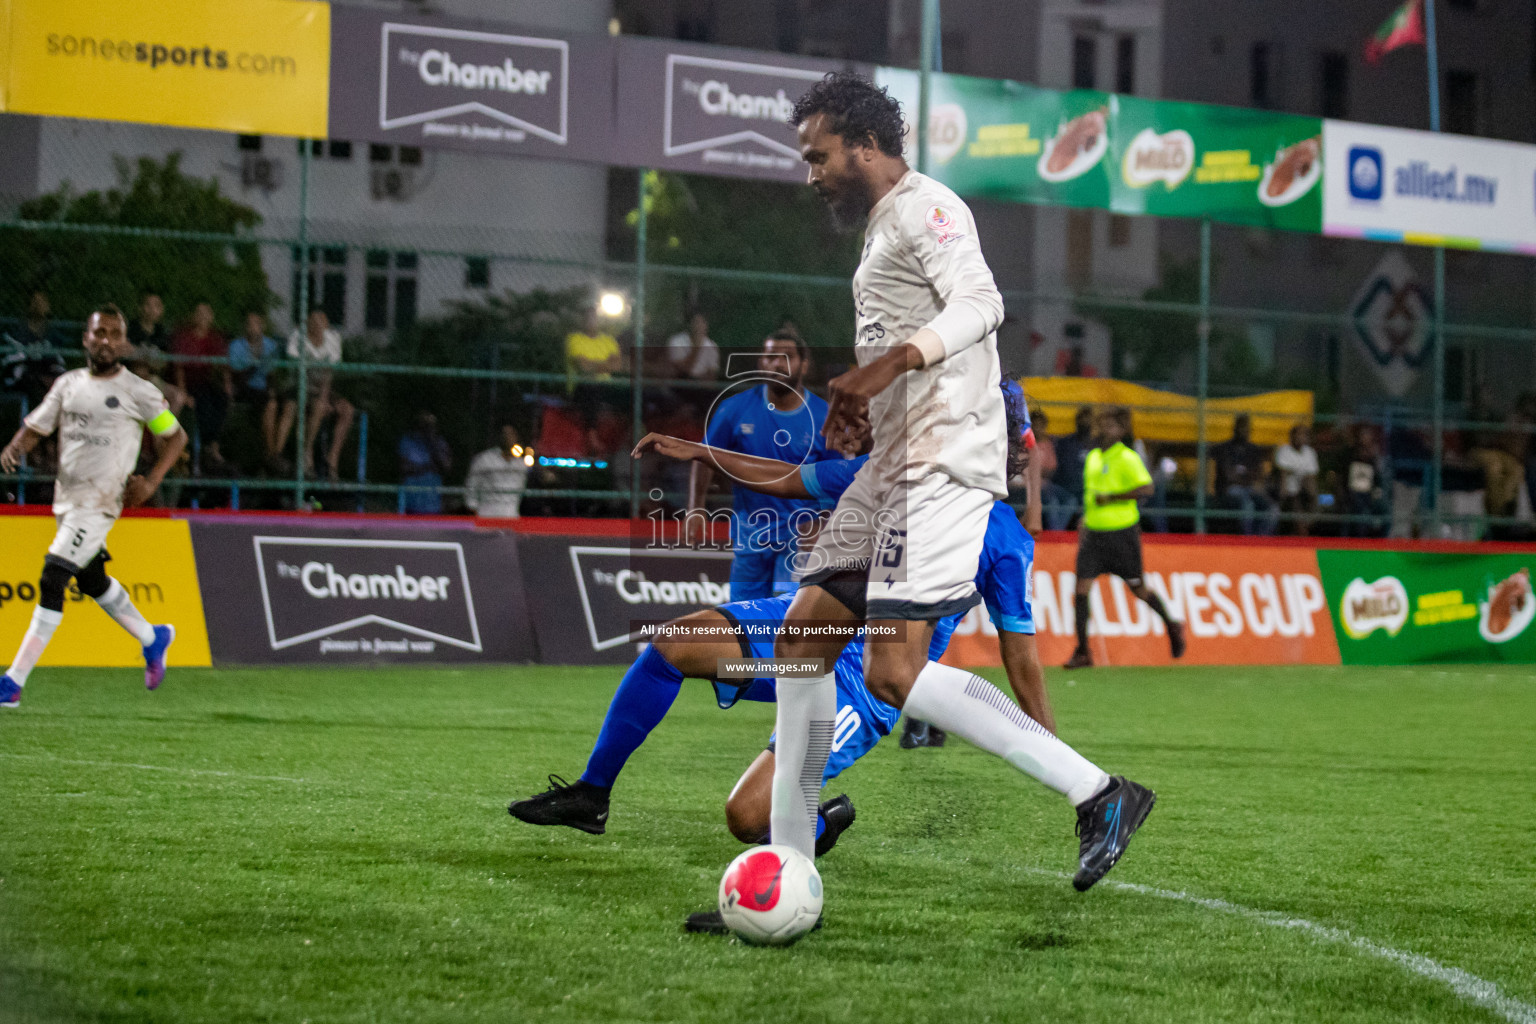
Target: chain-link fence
[[462, 291]]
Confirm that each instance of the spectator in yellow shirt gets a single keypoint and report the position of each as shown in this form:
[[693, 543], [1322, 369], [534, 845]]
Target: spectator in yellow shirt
[[591, 354]]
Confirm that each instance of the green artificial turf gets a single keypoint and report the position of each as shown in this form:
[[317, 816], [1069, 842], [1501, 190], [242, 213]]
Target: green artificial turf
[[333, 845]]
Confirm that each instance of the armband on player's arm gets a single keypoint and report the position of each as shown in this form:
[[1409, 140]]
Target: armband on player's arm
[[164, 424]]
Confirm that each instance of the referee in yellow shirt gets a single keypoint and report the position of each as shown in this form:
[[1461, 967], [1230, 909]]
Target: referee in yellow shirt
[[1109, 538]]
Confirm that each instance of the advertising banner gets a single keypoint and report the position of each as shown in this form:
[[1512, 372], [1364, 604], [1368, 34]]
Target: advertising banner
[[1425, 188], [152, 558], [259, 66], [591, 598], [711, 110], [1169, 416], [1405, 608], [281, 592], [1016, 142], [1242, 605], [423, 81]]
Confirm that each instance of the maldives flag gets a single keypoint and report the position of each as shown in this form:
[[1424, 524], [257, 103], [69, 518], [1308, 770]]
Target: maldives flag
[[1406, 26]]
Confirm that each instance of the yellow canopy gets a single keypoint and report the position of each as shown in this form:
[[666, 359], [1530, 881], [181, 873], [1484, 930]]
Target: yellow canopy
[[1165, 416]]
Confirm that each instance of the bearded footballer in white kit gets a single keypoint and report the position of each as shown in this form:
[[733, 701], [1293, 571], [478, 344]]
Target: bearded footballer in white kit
[[902, 547], [100, 412]]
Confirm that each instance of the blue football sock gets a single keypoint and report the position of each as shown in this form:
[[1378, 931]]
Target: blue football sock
[[641, 702]]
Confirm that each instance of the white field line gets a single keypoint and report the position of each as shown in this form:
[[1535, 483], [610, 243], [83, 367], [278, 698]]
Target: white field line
[[154, 768], [1467, 986]]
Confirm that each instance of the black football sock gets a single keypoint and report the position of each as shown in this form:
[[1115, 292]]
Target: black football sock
[[1156, 604], [1080, 607]]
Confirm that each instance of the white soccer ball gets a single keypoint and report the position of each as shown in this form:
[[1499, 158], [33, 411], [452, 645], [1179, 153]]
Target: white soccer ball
[[770, 896]]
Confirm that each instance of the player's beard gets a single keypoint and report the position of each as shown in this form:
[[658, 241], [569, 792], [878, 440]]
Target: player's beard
[[104, 363], [850, 204]]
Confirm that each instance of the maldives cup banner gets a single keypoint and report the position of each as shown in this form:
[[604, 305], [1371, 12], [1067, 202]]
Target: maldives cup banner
[[283, 592], [425, 81], [1241, 605], [1425, 188], [1405, 608], [1020, 143]]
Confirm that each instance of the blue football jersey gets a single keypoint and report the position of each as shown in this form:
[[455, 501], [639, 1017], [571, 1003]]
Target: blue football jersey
[[747, 424]]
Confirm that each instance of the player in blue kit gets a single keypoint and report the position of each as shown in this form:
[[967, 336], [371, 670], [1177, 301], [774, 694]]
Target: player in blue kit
[[694, 647], [777, 419]]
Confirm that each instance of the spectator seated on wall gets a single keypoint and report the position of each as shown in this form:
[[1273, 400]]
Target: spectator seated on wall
[[321, 347], [252, 356], [1296, 470], [1241, 479], [152, 341], [424, 458], [23, 370], [498, 476], [210, 385]]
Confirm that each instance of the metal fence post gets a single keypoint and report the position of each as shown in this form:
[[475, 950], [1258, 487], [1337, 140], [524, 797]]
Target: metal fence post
[[930, 32], [301, 424], [1203, 374], [638, 310], [1437, 413]]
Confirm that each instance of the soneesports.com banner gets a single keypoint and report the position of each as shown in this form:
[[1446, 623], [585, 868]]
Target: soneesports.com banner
[[152, 558], [1020, 143], [1404, 608], [257, 66], [286, 591]]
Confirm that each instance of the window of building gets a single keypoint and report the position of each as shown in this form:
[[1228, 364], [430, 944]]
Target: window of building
[[410, 156], [1085, 59], [389, 293], [316, 147], [1261, 76], [477, 272], [1335, 85], [1461, 103], [249, 143], [380, 154], [1119, 230], [327, 281], [339, 149], [1125, 65]]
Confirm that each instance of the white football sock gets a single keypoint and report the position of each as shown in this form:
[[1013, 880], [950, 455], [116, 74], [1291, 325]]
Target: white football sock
[[807, 714], [980, 713], [116, 603], [33, 643]]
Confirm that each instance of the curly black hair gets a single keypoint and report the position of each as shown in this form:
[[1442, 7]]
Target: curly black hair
[[857, 110]]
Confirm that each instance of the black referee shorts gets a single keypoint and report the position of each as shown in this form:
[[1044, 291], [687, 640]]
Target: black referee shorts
[[1110, 553]]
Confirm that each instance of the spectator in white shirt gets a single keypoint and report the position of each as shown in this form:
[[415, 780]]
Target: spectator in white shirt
[[691, 353], [322, 350], [497, 476], [1296, 462]]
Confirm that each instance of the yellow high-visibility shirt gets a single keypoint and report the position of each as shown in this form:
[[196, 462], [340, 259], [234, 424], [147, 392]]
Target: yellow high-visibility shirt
[[1114, 471], [594, 348]]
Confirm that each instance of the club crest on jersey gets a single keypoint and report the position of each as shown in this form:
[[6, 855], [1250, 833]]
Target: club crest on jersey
[[112, 402], [945, 224]]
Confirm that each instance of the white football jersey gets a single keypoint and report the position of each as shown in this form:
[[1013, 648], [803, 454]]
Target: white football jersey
[[921, 258], [100, 421]]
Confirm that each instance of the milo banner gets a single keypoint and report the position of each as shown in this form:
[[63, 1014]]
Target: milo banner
[[287, 591], [1016, 142], [1402, 608]]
